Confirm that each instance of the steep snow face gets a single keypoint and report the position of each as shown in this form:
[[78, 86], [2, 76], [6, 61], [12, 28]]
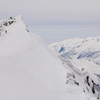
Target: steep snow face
[[86, 48], [28, 69]]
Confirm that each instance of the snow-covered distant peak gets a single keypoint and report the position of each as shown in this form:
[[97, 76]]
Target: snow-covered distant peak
[[77, 41], [79, 48]]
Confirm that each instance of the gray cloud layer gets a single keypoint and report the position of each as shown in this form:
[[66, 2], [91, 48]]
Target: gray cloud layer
[[52, 11]]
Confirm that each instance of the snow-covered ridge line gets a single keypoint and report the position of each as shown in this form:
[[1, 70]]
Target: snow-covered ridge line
[[77, 40], [11, 20], [4, 24], [28, 68], [83, 78], [85, 48]]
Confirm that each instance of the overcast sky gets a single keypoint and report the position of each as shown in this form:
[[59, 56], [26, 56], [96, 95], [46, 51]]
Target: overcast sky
[[56, 12], [52, 12]]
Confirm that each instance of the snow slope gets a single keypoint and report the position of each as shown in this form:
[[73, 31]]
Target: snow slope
[[88, 66], [28, 68]]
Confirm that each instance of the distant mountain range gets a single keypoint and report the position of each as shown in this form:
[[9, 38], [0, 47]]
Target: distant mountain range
[[85, 48], [83, 53]]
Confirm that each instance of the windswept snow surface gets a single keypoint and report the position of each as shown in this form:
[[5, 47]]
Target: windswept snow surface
[[28, 69]]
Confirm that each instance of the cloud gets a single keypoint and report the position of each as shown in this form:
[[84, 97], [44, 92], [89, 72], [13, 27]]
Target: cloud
[[52, 11]]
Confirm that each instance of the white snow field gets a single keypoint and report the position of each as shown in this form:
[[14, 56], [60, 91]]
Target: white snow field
[[29, 70]]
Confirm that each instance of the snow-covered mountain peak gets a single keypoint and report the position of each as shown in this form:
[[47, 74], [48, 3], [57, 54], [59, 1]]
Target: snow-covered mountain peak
[[13, 23], [88, 48], [13, 35]]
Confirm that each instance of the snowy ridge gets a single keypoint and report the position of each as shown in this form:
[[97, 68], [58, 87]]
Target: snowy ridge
[[83, 78], [83, 54], [29, 70], [86, 48]]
